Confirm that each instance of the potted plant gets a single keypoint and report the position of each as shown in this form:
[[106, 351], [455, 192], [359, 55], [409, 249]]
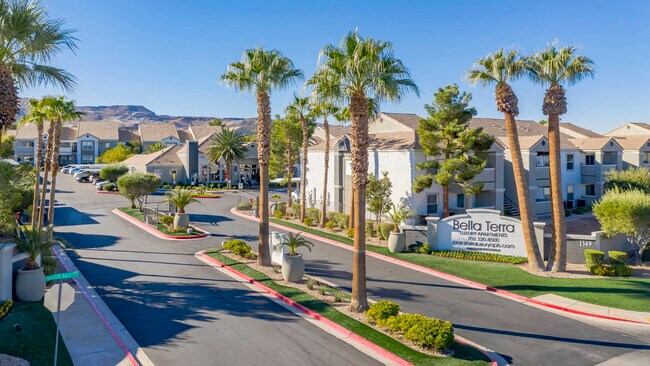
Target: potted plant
[[30, 281], [181, 198], [293, 266], [397, 239]]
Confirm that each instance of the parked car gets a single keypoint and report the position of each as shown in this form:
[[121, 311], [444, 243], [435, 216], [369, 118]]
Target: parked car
[[100, 185], [97, 179], [65, 167], [68, 168], [83, 177]]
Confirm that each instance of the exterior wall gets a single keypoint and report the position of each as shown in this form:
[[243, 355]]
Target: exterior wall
[[595, 174], [628, 129], [165, 173], [90, 154], [25, 150], [386, 124], [634, 158], [107, 144]]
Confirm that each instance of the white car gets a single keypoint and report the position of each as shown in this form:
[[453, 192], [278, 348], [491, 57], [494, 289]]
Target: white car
[[100, 185]]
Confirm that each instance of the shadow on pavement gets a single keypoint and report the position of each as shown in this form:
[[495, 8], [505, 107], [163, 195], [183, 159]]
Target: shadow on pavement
[[69, 216]]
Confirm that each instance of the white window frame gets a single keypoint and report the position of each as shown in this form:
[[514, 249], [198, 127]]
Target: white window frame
[[570, 192], [432, 204]]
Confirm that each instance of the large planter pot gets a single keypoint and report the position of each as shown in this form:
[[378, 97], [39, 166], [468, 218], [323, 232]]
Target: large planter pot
[[181, 220], [30, 284], [396, 242], [293, 268]]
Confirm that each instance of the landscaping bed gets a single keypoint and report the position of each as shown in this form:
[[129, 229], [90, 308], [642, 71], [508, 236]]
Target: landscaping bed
[[622, 293], [34, 341], [332, 304], [136, 214]]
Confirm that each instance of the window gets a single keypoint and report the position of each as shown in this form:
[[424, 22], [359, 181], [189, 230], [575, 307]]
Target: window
[[543, 194], [28, 144], [460, 200], [66, 144], [432, 204], [610, 158], [542, 159], [569, 162], [590, 190], [158, 172], [645, 158], [108, 145], [590, 159], [569, 192], [87, 145]]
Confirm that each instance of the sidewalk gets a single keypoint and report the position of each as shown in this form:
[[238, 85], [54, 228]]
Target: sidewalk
[[571, 304], [92, 334]]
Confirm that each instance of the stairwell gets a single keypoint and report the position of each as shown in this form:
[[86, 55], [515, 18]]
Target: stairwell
[[510, 208]]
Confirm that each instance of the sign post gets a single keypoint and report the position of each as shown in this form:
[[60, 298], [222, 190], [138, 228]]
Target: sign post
[[63, 293]]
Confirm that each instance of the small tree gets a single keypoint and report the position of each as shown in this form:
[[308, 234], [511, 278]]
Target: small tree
[[7, 147], [627, 213], [135, 186], [378, 193], [215, 122], [117, 154], [445, 135], [630, 179], [157, 146], [180, 198], [111, 173], [397, 215]]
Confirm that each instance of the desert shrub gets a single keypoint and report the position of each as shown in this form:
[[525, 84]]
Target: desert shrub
[[615, 270], [238, 247], [295, 209], [244, 206], [349, 232], [166, 186], [338, 295], [423, 331], [311, 283], [108, 187], [384, 230], [425, 249], [341, 220], [616, 257], [330, 225], [380, 311], [593, 258], [370, 228], [308, 221], [278, 214], [479, 256], [167, 220], [49, 264], [314, 214]]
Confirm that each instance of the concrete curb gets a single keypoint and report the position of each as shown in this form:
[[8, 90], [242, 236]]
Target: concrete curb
[[105, 192], [351, 335], [65, 262], [155, 232], [505, 294], [208, 197]]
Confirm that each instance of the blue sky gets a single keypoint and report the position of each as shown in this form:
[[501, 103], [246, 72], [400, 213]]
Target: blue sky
[[167, 55]]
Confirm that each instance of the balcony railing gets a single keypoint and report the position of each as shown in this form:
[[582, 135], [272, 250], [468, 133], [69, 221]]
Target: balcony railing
[[487, 175]]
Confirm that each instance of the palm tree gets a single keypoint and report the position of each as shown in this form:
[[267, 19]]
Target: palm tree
[[500, 68], [47, 159], [302, 109], [58, 111], [229, 146], [260, 71], [180, 198], [156, 146], [35, 115], [363, 69], [554, 67], [325, 109], [30, 39]]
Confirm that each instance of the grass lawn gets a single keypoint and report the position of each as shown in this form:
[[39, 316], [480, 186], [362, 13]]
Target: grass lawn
[[622, 293], [135, 213], [35, 341], [464, 355]]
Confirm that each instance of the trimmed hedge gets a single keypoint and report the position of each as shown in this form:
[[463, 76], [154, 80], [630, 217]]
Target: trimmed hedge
[[616, 257], [308, 220], [479, 256], [167, 220], [313, 214], [244, 206], [593, 258], [108, 187], [340, 219], [370, 228], [381, 311], [384, 229], [423, 331], [239, 247], [615, 270]]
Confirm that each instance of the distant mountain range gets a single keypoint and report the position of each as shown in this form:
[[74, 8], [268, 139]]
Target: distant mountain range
[[131, 115]]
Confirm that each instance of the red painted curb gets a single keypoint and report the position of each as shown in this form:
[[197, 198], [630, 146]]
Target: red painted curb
[[120, 343], [206, 196], [152, 231], [105, 192], [433, 272], [311, 313]]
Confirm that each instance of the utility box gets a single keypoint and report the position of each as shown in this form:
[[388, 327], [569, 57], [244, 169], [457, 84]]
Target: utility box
[[277, 253]]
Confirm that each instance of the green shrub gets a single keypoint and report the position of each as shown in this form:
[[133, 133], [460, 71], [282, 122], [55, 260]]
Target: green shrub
[[646, 253], [244, 206], [314, 214], [370, 228], [330, 225], [278, 214], [108, 187], [567, 213], [423, 331], [49, 264], [593, 258], [615, 270], [425, 249], [167, 220], [341, 220], [338, 295], [380, 311], [295, 209], [479, 256], [308, 221], [238, 247], [384, 230], [167, 186], [616, 257], [349, 232], [324, 289], [311, 283]]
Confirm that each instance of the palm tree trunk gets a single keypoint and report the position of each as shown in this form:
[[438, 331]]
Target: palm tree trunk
[[535, 260], [48, 163], [323, 214], [558, 263], [228, 170], [263, 155], [352, 209], [39, 157], [303, 172], [55, 169], [359, 157], [289, 173], [445, 201]]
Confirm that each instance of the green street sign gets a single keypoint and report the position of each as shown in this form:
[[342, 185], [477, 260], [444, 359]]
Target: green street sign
[[61, 276]]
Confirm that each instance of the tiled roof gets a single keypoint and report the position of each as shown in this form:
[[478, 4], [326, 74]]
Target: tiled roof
[[641, 124], [201, 131], [158, 131], [578, 132], [410, 120], [380, 141], [633, 142], [68, 133], [595, 143], [338, 131], [497, 128], [100, 130], [525, 142], [185, 135], [128, 135], [30, 132], [166, 156]]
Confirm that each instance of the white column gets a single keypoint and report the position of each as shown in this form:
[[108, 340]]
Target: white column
[[6, 270]]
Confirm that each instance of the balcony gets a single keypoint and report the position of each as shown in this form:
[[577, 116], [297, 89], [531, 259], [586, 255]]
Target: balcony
[[487, 175]]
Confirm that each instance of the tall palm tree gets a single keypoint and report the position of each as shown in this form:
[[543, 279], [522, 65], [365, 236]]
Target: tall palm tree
[[29, 41], [554, 67], [58, 111], [35, 115], [260, 71], [47, 160], [302, 109], [363, 68], [229, 146], [325, 109], [500, 68]]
